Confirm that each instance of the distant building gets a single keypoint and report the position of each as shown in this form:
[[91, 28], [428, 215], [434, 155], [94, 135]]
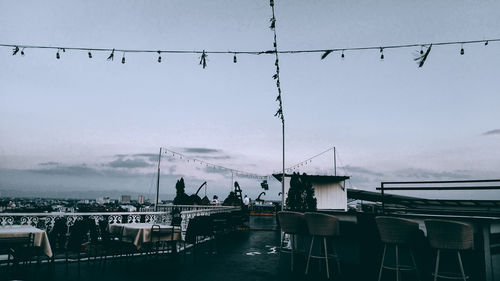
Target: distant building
[[129, 208], [125, 199], [103, 200], [140, 200]]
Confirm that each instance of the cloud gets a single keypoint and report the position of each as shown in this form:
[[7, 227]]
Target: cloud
[[70, 170], [361, 170], [429, 174], [491, 132], [201, 150], [150, 156], [128, 163], [212, 170], [222, 157], [49, 164]]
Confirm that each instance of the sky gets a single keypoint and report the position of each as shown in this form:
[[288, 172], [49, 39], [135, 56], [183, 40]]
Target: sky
[[91, 127]]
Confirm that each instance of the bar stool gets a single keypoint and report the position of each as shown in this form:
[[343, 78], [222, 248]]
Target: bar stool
[[449, 236], [322, 226], [397, 232], [291, 223]]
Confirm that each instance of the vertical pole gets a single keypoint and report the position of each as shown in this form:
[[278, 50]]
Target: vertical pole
[[158, 182], [283, 173], [488, 265], [334, 161], [382, 192]]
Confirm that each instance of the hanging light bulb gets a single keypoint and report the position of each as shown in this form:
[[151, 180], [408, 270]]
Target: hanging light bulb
[[462, 50], [90, 55], [22, 52], [112, 55], [421, 50], [123, 58], [342, 56], [381, 53], [159, 56], [234, 58], [58, 56], [486, 43]]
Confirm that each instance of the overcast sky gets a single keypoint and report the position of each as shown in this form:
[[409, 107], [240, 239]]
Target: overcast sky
[[78, 124]]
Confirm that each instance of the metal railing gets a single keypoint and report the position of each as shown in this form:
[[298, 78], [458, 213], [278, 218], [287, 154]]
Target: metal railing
[[437, 185], [46, 221], [170, 207]]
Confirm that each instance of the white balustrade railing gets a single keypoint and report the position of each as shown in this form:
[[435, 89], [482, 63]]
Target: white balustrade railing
[[47, 220], [170, 207]]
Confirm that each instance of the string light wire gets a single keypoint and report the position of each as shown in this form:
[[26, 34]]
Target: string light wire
[[264, 52], [215, 166]]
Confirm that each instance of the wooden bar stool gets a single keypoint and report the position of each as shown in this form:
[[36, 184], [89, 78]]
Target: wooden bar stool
[[397, 232], [451, 236], [291, 223], [322, 226]]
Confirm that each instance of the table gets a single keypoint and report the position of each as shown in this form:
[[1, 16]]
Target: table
[[40, 240], [140, 233]]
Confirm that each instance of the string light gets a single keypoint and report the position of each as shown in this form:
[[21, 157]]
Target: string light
[[325, 54], [159, 56], [17, 48], [90, 55], [462, 50], [214, 166], [421, 59], [279, 112], [381, 53], [235, 60], [112, 55], [421, 50], [123, 58], [58, 56], [309, 160], [22, 52], [203, 59]]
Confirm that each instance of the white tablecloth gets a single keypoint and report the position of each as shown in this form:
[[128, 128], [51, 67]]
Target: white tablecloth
[[139, 233], [41, 238]]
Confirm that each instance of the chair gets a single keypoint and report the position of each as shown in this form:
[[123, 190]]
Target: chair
[[97, 244], [450, 236], [57, 236], [157, 241], [291, 223], [110, 242], [78, 234], [200, 227], [397, 232], [21, 249], [322, 226]]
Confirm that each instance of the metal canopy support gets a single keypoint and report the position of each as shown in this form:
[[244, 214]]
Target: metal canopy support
[[158, 183]]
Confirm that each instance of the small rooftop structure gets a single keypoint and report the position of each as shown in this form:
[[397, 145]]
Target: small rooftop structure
[[330, 191]]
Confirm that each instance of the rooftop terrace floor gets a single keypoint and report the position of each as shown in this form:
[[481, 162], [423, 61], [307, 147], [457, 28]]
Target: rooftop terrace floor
[[242, 255]]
